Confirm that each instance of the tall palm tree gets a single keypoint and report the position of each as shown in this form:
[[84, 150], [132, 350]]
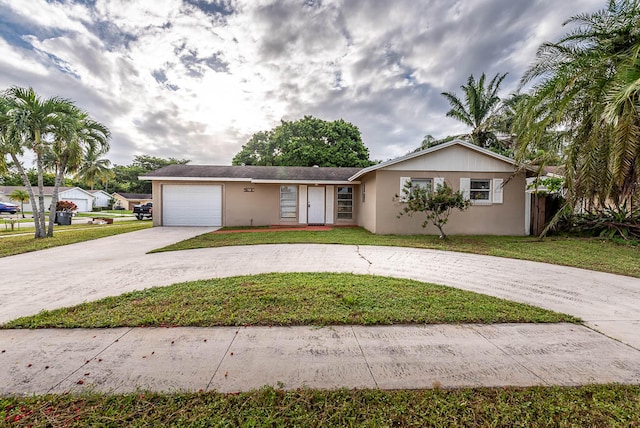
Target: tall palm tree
[[29, 120], [94, 168], [584, 85], [21, 196], [478, 109], [75, 133]]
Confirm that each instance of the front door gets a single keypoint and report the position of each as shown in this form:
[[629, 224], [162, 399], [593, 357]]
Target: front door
[[315, 197]]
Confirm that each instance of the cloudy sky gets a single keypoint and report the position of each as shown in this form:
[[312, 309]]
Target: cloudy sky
[[195, 79]]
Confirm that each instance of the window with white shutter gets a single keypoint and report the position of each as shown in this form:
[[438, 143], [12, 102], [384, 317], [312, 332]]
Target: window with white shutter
[[497, 190]]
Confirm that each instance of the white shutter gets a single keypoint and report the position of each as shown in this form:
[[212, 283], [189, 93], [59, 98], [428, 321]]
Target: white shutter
[[438, 181], [403, 182], [465, 187], [302, 204], [329, 199], [497, 190]]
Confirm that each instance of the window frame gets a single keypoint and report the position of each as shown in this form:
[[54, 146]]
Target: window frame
[[473, 192], [289, 214], [340, 206]]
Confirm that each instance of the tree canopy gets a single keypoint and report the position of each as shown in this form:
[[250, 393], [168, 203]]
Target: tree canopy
[[125, 177], [587, 85], [478, 110], [306, 142]]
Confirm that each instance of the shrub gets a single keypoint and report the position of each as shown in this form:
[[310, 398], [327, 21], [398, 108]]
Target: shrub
[[66, 206]]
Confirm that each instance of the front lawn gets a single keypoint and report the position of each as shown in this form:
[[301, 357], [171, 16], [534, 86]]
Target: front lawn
[[291, 299], [24, 242], [587, 253], [585, 406]]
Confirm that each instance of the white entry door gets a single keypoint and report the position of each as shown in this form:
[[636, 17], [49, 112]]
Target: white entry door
[[315, 201]]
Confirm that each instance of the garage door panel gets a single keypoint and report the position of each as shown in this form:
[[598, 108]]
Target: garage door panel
[[192, 205]]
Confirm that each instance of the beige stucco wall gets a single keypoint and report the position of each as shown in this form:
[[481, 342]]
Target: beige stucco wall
[[366, 214], [507, 218], [260, 207]]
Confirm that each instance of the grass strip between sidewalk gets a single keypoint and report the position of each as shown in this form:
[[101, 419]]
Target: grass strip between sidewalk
[[588, 253], [586, 406], [292, 299], [65, 235]]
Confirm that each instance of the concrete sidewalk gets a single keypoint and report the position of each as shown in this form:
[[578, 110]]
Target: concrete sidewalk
[[229, 359]]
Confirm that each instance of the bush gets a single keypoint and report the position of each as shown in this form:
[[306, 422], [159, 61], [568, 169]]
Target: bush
[[608, 222], [66, 206]]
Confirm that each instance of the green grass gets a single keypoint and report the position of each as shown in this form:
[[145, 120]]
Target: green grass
[[588, 253], [291, 299], [64, 235], [586, 406]]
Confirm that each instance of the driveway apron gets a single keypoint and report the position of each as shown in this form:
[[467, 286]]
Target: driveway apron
[[72, 274]]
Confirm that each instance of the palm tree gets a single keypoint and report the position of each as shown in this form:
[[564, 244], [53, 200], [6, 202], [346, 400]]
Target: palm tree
[[28, 120], [93, 168], [21, 196], [53, 128], [586, 84], [478, 109], [75, 134]]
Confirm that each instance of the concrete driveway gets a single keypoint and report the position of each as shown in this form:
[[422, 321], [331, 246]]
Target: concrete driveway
[[231, 359], [110, 266]]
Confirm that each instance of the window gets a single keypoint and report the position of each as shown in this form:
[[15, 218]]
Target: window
[[425, 183], [480, 190], [288, 202], [345, 203], [364, 193]]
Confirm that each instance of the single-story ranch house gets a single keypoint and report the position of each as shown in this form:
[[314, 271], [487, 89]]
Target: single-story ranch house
[[201, 195], [83, 199]]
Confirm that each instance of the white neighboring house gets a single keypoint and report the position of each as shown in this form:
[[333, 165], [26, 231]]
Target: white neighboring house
[[82, 198], [102, 198]]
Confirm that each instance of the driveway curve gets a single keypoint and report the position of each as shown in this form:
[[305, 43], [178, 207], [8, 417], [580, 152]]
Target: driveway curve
[[72, 274]]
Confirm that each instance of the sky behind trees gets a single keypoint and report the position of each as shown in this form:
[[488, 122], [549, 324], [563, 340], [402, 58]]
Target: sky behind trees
[[196, 78]]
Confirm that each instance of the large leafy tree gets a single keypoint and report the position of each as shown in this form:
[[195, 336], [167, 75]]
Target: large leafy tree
[[478, 109], [306, 142], [586, 85], [126, 176]]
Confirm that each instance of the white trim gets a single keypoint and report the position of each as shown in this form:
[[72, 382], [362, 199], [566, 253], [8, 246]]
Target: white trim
[[497, 184], [437, 181], [314, 182], [144, 177], [249, 180], [329, 197], [402, 196], [527, 213], [302, 204], [431, 150], [465, 187]]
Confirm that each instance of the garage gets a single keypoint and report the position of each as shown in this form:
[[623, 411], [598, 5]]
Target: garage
[[191, 205]]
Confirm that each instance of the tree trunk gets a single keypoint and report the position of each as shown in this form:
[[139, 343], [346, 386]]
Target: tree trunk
[[32, 198], [54, 196]]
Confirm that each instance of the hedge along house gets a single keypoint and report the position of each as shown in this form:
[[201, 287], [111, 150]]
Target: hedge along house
[[201, 195], [196, 195]]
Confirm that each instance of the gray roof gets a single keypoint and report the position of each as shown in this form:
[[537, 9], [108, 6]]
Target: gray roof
[[284, 173], [48, 190], [134, 196]]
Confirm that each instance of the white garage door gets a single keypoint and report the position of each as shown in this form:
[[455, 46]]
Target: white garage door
[[82, 204], [191, 205]]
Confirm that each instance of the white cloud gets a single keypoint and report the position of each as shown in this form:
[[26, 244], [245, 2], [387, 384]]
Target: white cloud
[[171, 80]]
